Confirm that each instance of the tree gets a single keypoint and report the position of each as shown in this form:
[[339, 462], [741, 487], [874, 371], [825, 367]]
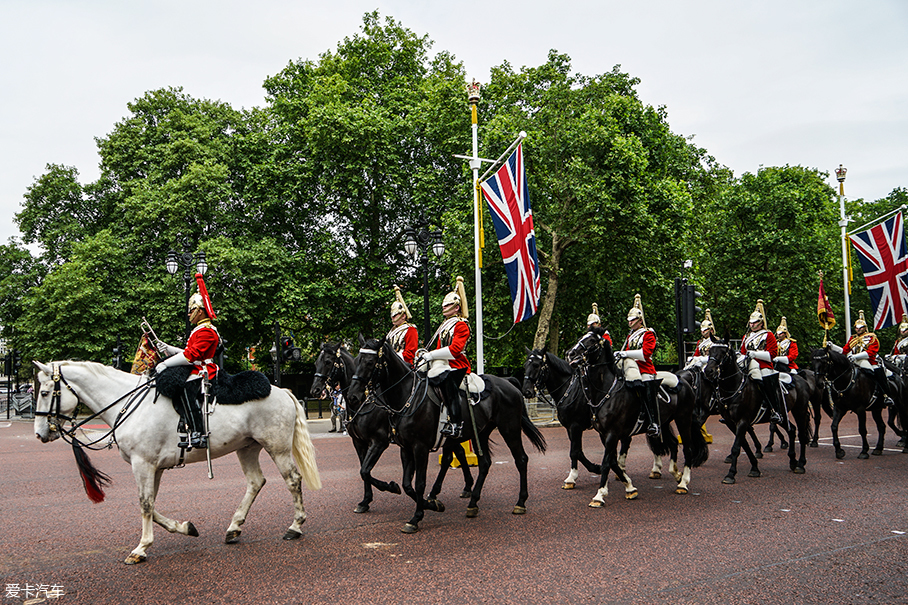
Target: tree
[[612, 189]]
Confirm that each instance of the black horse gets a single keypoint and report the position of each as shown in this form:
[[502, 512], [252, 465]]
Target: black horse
[[817, 398], [617, 416], [741, 406], [415, 407], [367, 424], [854, 390], [545, 370]]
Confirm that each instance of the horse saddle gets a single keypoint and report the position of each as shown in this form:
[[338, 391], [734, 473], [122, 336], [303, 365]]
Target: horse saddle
[[226, 389]]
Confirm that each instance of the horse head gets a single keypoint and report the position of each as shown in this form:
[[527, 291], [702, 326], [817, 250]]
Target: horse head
[[534, 372], [371, 360], [329, 368], [827, 364], [54, 403], [720, 361]]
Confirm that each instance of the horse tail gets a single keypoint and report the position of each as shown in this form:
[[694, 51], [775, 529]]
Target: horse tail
[[532, 432], [699, 450], [93, 480], [303, 451]]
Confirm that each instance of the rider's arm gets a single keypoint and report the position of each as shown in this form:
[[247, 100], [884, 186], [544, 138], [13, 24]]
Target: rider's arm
[[762, 356], [836, 348]]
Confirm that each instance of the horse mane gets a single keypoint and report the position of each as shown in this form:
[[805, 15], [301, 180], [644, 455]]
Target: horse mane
[[556, 362]]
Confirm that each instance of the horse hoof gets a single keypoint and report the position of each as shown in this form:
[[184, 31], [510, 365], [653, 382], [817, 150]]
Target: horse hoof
[[291, 534], [729, 481], [361, 508], [472, 512], [759, 455], [813, 444], [191, 530], [596, 504], [655, 475], [437, 506], [839, 454], [519, 510], [798, 470], [768, 449], [905, 450], [901, 443], [466, 494], [133, 558], [754, 474], [783, 445], [877, 452], [681, 490], [728, 459], [410, 528], [631, 495], [863, 456], [233, 536], [567, 486], [393, 487]]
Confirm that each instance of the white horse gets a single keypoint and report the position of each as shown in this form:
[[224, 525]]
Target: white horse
[[145, 432]]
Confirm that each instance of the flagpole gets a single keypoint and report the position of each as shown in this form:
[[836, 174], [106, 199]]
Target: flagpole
[[475, 163], [843, 223]]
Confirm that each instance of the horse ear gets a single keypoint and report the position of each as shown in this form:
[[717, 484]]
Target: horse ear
[[527, 349], [43, 367], [362, 340]]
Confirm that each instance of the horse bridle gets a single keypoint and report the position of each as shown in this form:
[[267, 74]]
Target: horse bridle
[[332, 376], [717, 396], [55, 415], [381, 364], [584, 365], [825, 357]]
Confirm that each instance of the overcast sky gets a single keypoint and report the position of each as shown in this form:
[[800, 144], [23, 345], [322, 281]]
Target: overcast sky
[[813, 83]]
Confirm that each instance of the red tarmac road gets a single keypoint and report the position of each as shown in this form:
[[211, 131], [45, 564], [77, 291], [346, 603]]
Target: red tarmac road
[[833, 535]]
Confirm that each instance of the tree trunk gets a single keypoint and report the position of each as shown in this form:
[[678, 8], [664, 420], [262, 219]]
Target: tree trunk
[[551, 293]]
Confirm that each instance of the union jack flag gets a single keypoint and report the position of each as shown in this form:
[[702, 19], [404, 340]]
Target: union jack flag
[[509, 204], [884, 260]]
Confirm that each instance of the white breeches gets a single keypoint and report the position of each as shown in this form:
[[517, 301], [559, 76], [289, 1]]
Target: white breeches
[[632, 371]]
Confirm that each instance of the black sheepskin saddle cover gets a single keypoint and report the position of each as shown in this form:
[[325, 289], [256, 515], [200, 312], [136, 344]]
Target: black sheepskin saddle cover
[[228, 390]]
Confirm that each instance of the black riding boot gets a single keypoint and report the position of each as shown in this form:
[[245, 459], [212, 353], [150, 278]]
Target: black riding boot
[[770, 387], [651, 405], [193, 417], [882, 383], [454, 426]]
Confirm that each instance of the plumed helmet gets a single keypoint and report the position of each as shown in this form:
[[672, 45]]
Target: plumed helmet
[[783, 327], [593, 318], [707, 323], [759, 314], [861, 322], [399, 305], [636, 312], [201, 300], [457, 297], [903, 326]]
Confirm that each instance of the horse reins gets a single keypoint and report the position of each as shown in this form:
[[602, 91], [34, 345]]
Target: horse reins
[[69, 435]]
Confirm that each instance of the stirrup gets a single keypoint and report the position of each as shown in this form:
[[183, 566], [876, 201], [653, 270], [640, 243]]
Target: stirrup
[[452, 429], [654, 430], [775, 416], [198, 440], [183, 441]]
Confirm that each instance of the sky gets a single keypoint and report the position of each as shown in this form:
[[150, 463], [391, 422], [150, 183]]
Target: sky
[[815, 83]]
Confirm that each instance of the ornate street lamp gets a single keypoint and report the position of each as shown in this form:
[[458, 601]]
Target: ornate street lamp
[[418, 240], [188, 261]]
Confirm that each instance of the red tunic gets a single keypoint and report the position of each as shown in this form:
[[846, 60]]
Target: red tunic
[[789, 347], [454, 334], [644, 338], [703, 346], [405, 340], [761, 340], [864, 342], [201, 347], [900, 347]]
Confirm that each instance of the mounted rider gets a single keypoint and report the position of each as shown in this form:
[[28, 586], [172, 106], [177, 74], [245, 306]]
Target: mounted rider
[[707, 339], [403, 337], [636, 361], [199, 353], [862, 351], [592, 321], [453, 335], [900, 348], [759, 346], [787, 349]]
